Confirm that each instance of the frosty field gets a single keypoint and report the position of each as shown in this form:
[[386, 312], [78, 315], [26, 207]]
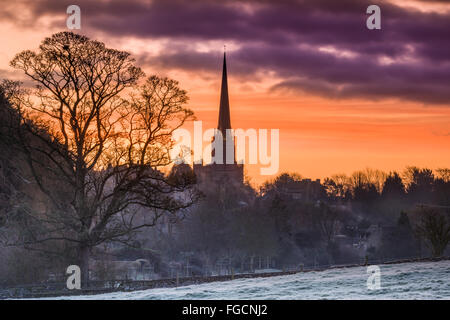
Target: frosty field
[[425, 280]]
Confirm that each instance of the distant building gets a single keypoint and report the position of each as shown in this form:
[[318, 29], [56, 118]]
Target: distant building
[[230, 174], [305, 189]]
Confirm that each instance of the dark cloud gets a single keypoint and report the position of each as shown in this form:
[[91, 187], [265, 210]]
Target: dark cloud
[[409, 58]]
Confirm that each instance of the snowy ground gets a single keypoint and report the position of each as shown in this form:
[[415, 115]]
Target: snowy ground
[[430, 280]]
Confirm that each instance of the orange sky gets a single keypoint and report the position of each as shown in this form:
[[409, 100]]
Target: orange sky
[[318, 136]]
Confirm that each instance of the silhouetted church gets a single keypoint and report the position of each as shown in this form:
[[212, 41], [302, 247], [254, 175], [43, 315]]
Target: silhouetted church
[[215, 172]]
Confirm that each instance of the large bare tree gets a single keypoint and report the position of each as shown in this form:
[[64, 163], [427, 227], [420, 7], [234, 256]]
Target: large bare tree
[[432, 224], [100, 144]]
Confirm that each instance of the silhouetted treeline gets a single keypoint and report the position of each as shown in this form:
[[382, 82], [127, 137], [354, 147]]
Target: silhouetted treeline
[[367, 216], [413, 185]]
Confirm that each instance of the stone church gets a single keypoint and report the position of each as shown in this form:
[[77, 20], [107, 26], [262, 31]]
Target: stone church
[[221, 173]]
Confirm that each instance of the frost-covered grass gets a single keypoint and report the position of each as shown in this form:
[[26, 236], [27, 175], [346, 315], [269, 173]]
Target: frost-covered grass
[[423, 280]]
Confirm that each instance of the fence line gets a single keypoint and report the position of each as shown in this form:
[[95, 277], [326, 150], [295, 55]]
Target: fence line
[[97, 287]]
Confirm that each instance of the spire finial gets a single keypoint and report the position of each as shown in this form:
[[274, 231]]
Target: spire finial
[[224, 48]]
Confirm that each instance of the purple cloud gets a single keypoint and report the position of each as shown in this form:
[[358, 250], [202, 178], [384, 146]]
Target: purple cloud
[[320, 47]]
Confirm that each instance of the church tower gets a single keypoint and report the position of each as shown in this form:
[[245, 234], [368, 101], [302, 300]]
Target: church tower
[[216, 172], [224, 122]]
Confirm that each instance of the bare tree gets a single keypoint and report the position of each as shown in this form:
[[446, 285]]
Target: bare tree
[[102, 140], [8, 179], [327, 222], [338, 186], [444, 174], [434, 227]]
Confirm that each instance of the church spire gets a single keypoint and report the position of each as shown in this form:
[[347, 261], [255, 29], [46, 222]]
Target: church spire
[[224, 110]]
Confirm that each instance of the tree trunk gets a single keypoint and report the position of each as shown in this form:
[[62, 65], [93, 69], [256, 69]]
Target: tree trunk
[[84, 266]]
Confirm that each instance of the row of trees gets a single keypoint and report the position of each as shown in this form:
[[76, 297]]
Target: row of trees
[[408, 211], [421, 184]]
